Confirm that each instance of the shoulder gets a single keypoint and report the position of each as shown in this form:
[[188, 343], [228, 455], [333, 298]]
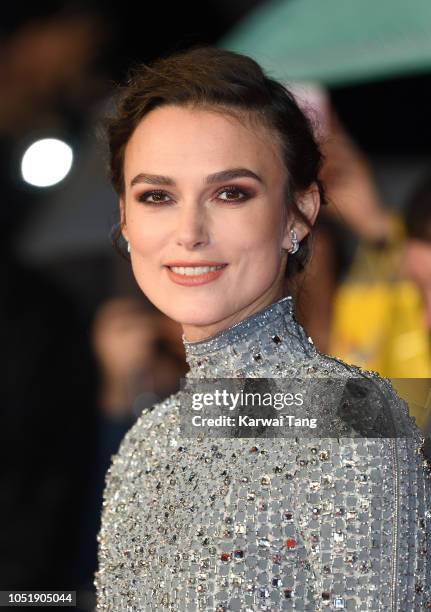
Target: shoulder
[[378, 391], [148, 434]]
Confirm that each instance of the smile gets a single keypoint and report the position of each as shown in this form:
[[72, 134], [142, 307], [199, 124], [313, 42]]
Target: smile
[[195, 275], [194, 271]]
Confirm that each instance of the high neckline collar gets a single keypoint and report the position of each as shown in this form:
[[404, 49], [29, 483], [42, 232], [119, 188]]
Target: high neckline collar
[[249, 346]]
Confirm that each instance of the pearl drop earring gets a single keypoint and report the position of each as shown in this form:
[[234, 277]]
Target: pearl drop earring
[[128, 247]]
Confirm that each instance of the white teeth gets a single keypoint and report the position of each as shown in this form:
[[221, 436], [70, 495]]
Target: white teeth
[[193, 271]]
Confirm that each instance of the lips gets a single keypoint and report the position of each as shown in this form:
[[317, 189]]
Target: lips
[[193, 264], [180, 276]]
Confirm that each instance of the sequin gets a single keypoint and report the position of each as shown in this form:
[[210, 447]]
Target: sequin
[[243, 524]]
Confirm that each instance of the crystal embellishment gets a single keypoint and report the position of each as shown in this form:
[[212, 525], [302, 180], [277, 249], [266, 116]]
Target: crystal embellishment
[[259, 523]]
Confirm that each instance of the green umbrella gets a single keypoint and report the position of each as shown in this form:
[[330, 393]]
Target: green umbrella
[[336, 42]]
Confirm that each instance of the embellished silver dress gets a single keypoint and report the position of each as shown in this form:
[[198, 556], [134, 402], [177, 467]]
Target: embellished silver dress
[[248, 524]]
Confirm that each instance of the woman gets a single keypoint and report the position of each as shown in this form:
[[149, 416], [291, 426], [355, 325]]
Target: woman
[[216, 169]]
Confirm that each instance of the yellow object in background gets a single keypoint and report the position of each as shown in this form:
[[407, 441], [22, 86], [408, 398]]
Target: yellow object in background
[[378, 319], [380, 327], [417, 393]]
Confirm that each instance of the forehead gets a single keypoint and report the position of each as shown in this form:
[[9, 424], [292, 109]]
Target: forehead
[[179, 137]]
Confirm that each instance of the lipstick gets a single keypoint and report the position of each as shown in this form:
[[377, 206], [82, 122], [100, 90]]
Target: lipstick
[[179, 276]]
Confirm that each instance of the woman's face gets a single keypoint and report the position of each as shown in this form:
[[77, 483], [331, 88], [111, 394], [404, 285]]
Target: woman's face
[[180, 211]]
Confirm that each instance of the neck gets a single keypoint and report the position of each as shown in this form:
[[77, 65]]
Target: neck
[[260, 344], [192, 333]]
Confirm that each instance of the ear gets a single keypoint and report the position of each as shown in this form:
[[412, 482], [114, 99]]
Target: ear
[[123, 225], [308, 203]]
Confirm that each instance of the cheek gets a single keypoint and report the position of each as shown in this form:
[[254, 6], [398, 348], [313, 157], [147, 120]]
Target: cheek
[[255, 248], [146, 234], [146, 238], [257, 234]]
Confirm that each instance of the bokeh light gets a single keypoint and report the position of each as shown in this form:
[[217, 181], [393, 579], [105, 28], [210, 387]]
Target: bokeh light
[[46, 162]]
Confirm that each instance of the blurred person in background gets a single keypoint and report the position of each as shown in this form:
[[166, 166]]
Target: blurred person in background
[[49, 64], [417, 259], [124, 340], [369, 313], [377, 318], [354, 212], [416, 266], [365, 293], [137, 355]]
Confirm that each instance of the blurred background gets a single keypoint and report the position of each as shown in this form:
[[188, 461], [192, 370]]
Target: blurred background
[[85, 352]]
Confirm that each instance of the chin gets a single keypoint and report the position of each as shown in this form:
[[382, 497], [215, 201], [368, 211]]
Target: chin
[[191, 315], [197, 311], [203, 306]]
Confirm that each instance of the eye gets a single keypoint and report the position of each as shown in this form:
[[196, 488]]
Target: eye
[[158, 193], [231, 189], [157, 196]]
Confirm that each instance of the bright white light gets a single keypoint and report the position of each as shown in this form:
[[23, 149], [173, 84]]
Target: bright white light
[[46, 162]]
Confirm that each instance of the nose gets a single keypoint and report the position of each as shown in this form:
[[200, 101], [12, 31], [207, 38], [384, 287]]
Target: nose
[[192, 231]]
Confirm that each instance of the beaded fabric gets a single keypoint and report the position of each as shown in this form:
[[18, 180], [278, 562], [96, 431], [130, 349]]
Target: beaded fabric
[[250, 524]]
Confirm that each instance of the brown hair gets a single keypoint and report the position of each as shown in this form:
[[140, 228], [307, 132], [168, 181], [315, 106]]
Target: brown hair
[[218, 79]]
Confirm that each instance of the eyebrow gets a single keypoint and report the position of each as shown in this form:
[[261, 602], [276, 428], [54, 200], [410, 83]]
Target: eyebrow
[[223, 175]]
